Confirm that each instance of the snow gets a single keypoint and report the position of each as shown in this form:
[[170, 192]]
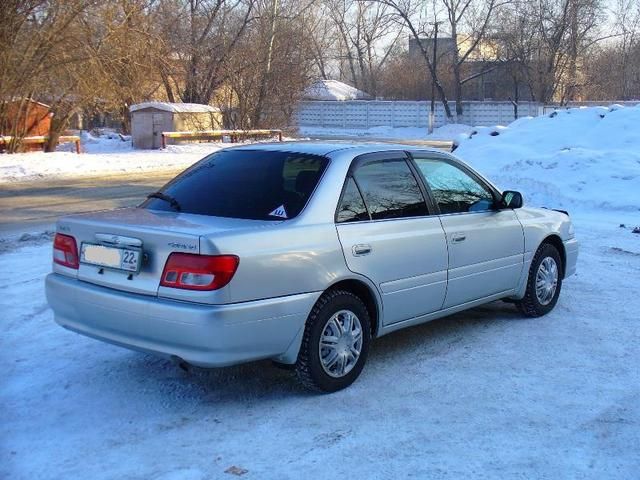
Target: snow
[[175, 107], [481, 394], [106, 154], [445, 132], [575, 158], [109, 153], [333, 90], [35, 166]]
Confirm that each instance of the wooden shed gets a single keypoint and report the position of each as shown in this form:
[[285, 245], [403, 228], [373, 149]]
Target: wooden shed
[[25, 118], [150, 119]]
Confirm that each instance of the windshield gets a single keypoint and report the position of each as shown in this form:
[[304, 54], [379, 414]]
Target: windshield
[[249, 184]]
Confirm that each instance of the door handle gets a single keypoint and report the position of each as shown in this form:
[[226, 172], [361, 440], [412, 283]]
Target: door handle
[[458, 237], [361, 249]]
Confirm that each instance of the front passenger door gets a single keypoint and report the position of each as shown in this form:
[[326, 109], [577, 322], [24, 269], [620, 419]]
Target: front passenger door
[[486, 245]]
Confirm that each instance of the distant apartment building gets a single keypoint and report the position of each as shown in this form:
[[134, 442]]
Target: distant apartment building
[[499, 80]]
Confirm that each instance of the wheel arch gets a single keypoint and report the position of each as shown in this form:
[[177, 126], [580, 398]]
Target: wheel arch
[[557, 242], [369, 296]]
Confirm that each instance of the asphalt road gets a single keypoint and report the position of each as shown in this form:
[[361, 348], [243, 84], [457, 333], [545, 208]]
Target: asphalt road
[[35, 206]]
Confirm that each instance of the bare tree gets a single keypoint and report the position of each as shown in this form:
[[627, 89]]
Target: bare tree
[[255, 57], [126, 49], [271, 18], [549, 40], [200, 38], [474, 16], [367, 32], [322, 32], [41, 57], [271, 66], [407, 13], [627, 24], [585, 18], [612, 69]]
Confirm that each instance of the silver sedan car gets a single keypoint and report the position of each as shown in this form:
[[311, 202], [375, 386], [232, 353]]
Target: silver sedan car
[[303, 253]]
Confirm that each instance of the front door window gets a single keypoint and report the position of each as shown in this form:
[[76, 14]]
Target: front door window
[[454, 190]]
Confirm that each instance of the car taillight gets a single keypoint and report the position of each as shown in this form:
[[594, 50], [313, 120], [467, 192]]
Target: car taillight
[[65, 251], [199, 272]]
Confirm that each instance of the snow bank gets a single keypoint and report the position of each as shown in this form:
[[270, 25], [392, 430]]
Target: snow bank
[[581, 157]]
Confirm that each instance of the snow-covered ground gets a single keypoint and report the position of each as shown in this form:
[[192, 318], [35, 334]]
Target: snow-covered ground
[[108, 154], [483, 394], [103, 155]]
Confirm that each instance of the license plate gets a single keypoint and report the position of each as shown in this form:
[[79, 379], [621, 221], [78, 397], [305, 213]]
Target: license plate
[[110, 257]]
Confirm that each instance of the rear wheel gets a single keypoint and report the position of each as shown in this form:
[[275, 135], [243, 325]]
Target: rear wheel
[[544, 282], [335, 342]]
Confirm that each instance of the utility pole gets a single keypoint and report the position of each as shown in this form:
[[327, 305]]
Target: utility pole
[[432, 112]]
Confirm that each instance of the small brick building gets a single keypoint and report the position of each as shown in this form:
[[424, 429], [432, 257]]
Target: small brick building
[[26, 118]]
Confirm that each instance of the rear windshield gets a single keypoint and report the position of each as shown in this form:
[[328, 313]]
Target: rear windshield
[[250, 184]]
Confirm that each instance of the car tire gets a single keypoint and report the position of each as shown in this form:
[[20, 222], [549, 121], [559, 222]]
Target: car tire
[[543, 283], [327, 360]]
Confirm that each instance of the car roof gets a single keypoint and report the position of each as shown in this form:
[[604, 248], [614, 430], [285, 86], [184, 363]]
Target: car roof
[[325, 148]]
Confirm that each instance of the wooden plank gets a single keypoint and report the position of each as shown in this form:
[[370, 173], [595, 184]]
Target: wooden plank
[[219, 134], [41, 140]]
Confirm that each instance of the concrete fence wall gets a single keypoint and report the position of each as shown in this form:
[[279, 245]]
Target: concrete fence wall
[[367, 114]]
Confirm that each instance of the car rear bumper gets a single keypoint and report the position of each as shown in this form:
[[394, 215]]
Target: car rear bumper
[[203, 335], [571, 252]]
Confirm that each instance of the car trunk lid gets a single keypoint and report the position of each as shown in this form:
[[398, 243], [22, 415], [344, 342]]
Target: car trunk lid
[[155, 234]]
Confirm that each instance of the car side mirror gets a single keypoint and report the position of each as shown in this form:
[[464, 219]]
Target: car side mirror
[[511, 199]]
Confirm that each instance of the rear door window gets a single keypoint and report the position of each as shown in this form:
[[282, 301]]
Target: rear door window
[[352, 208], [390, 190], [249, 184]]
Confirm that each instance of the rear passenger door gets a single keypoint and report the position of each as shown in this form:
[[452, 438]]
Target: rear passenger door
[[388, 236], [486, 244]]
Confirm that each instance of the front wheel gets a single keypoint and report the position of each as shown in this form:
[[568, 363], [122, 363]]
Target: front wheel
[[544, 282], [335, 342]]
